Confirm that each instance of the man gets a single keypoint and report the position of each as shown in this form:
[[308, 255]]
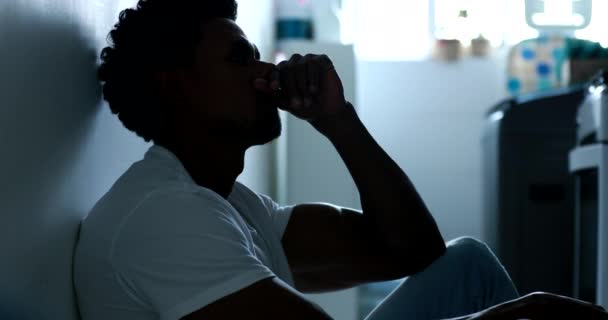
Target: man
[[178, 238]]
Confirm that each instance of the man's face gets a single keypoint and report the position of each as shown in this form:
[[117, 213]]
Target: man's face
[[220, 96]]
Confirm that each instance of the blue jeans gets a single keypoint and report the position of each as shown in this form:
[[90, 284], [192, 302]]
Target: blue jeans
[[468, 278]]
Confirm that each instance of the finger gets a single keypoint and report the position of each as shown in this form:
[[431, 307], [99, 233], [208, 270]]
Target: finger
[[301, 76], [292, 83], [277, 99], [595, 309], [313, 76], [595, 313], [324, 67], [326, 64], [262, 85], [275, 79], [585, 309], [282, 95], [282, 74]]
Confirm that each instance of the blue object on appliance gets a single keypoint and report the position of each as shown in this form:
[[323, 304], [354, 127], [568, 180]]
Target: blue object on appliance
[[528, 54], [559, 54], [544, 84], [543, 69], [514, 86], [294, 29]]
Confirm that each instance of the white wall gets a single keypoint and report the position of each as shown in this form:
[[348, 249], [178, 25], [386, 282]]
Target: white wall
[[62, 149], [428, 115]]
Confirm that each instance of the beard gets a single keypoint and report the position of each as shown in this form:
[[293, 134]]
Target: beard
[[267, 128], [259, 128]]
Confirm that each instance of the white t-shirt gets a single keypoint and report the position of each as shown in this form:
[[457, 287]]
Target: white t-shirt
[[158, 246]]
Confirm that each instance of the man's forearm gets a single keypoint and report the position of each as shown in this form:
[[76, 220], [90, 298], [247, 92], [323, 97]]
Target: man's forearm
[[388, 197]]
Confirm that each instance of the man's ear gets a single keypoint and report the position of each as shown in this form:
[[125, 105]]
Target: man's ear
[[170, 86], [164, 84]]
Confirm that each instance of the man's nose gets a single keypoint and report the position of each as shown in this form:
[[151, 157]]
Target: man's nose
[[264, 70], [266, 75]]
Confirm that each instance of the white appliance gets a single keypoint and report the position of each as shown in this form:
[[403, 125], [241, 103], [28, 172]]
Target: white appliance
[[310, 169], [589, 162], [558, 15]]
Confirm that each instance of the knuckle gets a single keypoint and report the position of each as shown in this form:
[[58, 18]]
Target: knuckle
[[324, 61], [282, 65], [310, 57]]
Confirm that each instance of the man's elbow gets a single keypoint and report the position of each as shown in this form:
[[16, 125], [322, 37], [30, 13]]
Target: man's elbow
[[418, 254], [431, 254]]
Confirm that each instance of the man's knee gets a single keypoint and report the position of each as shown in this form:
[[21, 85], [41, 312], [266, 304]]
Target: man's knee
[[467, 242], [475, 259], [468, 249]]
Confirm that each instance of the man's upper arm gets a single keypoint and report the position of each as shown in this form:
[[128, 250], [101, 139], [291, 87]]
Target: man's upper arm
[[331, 248], [267, 299]]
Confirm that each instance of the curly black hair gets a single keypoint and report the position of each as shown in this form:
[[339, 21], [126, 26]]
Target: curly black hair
[[156, 35]]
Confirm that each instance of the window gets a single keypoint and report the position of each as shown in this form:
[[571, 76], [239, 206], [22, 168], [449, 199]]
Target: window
[[598, 28], [404, 30], [391, 29], [500, 21]]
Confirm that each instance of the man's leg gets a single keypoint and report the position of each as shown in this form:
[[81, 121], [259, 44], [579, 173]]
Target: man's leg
[[466, 279]]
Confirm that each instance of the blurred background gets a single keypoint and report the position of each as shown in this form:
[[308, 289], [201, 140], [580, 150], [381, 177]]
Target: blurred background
[[494, 108]]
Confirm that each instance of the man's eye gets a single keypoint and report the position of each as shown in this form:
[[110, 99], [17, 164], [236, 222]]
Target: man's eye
[[241, 59]]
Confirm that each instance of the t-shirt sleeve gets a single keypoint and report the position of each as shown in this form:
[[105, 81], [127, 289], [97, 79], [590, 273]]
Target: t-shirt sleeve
[[178, 253], [280, 215]]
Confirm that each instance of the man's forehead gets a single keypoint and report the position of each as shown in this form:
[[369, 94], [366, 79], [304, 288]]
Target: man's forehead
[[222, 31]]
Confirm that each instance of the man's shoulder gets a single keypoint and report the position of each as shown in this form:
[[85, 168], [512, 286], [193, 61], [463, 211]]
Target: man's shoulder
[[243, 194], [172, 204], [178, 201], [242, 189], [167, 212]]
